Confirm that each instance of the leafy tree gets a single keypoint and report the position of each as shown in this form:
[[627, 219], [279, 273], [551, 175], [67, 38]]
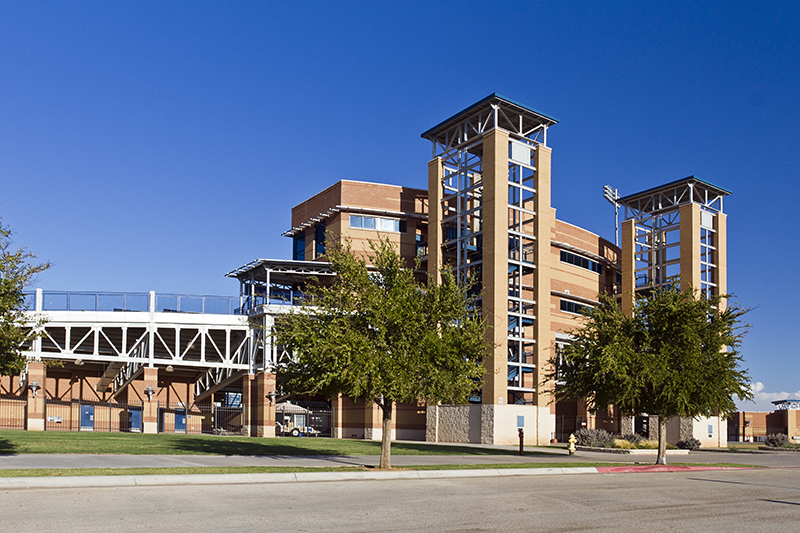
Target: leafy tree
[[677, 355], [16, 272], [378, 334]]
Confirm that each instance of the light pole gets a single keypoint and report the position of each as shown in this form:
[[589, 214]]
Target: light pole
[[612, 195]]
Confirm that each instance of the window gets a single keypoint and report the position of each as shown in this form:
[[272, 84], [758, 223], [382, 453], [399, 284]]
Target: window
[[319, 241], [299, 251], [572, 307], [392, 225], [582, 262]]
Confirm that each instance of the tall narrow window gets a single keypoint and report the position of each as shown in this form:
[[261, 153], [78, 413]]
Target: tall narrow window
[[319, 241], [299, 252]]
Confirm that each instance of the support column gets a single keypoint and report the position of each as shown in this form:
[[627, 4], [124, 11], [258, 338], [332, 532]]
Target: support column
[[36, 399], [150, 407], [627, 244], [721, 243], [495, 265], [264, 415], [249, 404], [435, 237], [690, 246], [544, 225]]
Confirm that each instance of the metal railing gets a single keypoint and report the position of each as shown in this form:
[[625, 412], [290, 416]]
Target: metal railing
[[133, 301]]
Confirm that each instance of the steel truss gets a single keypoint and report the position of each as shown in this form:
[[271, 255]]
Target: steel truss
[[656, 232], [128, 341]]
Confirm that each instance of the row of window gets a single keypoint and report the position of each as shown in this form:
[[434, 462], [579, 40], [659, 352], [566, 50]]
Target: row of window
[[378, 223], [572, 307], [582, 262]]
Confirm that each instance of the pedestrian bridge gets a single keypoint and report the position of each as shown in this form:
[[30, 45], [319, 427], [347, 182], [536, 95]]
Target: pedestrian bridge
[[206, 337]]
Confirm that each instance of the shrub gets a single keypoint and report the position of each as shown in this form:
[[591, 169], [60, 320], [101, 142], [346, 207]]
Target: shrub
[[776, 440], [633, 438], [689, 444], [645, 444], [622, 444], [595, 438]]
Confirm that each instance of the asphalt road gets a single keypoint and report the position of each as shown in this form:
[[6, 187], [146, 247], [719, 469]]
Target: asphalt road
[[729, 500]]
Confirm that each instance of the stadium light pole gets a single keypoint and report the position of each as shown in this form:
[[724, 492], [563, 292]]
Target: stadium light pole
[[612, 195]]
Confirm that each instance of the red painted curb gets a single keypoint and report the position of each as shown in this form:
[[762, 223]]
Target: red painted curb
[[660, 468]]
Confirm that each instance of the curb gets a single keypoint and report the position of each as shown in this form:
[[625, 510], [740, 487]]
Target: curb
[[11, 483]]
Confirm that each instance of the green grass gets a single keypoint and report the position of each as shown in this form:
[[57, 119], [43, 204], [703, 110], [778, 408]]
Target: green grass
[[49, 442], [63, 472]]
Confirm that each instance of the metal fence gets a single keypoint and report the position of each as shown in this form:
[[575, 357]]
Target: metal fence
[[82, 415], [196, 419], [320, 417], [12, 412]]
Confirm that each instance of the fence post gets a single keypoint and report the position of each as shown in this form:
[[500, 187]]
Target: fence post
[[35, 385]]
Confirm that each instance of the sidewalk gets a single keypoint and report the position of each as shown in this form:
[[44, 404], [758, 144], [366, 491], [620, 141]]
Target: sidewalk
[[305, 477]]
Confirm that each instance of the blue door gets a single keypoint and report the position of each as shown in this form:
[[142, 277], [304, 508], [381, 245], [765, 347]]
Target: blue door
[[180, 420], [87, 417], [135, 418]]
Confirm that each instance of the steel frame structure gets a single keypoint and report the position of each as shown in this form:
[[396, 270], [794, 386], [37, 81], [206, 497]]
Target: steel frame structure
[[657, 232], [128, 341], [458, 142]]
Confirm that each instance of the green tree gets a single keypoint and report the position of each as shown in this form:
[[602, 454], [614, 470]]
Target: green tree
[[378, 334], [677, 355], [16, 272]]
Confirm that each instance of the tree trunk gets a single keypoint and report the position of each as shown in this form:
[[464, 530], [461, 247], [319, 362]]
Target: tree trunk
[[386, 438], [662, 441]]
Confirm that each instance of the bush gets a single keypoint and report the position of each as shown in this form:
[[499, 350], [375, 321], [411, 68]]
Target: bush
[[645, 444], [633, 438], [776, 440], [595, 438], [622, 444], [689, 444]]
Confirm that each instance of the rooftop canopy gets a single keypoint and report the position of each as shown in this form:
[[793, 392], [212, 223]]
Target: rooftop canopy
[[493, 111]]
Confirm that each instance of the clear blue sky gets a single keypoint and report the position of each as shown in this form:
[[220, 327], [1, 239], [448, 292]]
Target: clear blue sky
[[158, 145]]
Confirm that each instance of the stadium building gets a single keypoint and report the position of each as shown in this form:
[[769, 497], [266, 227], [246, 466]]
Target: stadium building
[[172, 363]]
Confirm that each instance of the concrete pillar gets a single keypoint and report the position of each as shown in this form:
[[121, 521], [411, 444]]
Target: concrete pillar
[[627, 245], [690, 246], [263, 420], [721, 242], [435, 236], [248, 397], [337, 424], [495, 264], [150, 407], [544, 225], [36, 399]]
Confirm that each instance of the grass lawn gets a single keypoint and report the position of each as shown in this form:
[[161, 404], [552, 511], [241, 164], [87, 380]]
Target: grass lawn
[[18, 442], [50, 472]]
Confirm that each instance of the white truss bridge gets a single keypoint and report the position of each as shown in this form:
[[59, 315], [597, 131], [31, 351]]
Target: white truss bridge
[[206, 338]]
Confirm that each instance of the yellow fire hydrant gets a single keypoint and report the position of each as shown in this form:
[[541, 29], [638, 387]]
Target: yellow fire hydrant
[[572, 441]]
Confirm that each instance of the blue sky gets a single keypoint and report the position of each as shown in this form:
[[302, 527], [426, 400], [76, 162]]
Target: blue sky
[[159, 145]]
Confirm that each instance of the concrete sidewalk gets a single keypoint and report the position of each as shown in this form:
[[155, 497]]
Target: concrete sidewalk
[[244, 479]]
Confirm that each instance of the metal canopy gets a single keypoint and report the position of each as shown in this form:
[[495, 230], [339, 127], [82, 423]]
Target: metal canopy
[[671, 195], [494, 111], [282, 271], [349, 209]]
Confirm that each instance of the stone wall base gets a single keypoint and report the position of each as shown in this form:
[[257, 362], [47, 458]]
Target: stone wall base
[[489, 424]]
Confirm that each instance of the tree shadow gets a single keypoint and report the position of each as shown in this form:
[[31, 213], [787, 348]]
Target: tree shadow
[[7, 448]]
